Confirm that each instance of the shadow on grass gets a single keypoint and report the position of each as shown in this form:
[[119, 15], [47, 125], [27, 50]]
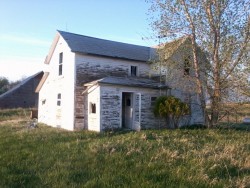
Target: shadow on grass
[[194, 127], [221, 126], [234, 126]]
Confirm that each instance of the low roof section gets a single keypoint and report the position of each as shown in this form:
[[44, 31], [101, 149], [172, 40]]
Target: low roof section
[[129, 81]]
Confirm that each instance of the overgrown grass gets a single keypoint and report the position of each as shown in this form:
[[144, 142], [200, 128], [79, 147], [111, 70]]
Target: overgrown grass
[[14, 114], [234, 113], [50, 157]]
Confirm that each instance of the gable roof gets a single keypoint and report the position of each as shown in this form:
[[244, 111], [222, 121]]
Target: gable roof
[[21, 84], [129, 81], [95, 46], [171, 47]]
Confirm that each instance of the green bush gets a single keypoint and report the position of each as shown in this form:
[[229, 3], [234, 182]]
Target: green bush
[[172, 109]]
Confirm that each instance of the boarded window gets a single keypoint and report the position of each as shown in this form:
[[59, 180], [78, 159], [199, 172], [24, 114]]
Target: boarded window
[[133, 71], [92, 108], [60, 63], [59, 97]]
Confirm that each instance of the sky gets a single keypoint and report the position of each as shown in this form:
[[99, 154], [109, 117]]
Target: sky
[[28, 27]]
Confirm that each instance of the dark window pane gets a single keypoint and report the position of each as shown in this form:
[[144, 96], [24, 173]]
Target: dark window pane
[[93, 108], [128, 102], [60, 69], [61, 58], [133, 71], [186, 67]]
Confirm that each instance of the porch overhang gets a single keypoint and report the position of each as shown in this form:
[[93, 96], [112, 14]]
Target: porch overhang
[[128, 81]]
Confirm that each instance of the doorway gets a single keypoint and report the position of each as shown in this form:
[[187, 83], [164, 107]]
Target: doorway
[[127, 110]]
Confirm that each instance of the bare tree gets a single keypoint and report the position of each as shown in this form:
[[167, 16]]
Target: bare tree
[[221, 29], [4, 85]]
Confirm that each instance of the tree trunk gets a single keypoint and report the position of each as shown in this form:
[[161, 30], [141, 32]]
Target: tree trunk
[[196, 63]]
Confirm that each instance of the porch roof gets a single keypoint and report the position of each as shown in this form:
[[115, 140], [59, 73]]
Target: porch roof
[[129, 81]]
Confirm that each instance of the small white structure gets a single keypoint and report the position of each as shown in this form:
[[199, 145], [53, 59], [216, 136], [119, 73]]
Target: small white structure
[[98, 84]]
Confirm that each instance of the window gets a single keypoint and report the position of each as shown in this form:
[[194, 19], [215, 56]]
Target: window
[[187, 66], [60, 63], [133, 71], [59, 97], [153, 99], [92, 108], [43, 101]]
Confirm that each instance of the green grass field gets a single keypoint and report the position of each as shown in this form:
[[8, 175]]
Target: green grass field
[[50, 157]]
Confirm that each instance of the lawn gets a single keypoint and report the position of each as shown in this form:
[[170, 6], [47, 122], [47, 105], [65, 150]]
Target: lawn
[[50, 157]]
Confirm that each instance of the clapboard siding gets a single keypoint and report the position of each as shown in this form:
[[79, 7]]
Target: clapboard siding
[[90, 68], [111, 105]]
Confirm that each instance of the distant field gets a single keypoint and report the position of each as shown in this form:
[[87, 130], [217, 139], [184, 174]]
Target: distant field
[[14, 114], [49, 157], [234, 113]]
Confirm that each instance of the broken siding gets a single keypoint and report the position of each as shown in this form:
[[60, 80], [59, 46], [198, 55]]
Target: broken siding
[[111, 107], [90, 68]]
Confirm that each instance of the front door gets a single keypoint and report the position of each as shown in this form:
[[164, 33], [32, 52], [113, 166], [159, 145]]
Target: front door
[[127, 110]]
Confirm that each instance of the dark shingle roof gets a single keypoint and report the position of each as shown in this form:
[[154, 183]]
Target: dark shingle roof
[[130, 81], [21, 84], [101, 47]]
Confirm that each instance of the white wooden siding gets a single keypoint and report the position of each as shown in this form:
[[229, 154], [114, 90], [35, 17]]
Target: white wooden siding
[[50, 113]]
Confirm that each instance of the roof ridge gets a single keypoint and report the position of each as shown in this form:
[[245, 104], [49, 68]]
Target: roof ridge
[[102, 39]]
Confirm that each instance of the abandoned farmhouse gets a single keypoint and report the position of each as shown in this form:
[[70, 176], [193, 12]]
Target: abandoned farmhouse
[[97, 84]]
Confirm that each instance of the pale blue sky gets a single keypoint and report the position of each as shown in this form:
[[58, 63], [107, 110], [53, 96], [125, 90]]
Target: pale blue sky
[[27, 28]]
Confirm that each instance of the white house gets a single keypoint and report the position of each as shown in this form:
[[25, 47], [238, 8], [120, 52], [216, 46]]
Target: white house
[[98, 84]]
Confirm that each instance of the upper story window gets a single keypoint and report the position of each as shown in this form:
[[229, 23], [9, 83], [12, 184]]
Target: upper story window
[[134, 71], [60, 64], [187, 66]]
